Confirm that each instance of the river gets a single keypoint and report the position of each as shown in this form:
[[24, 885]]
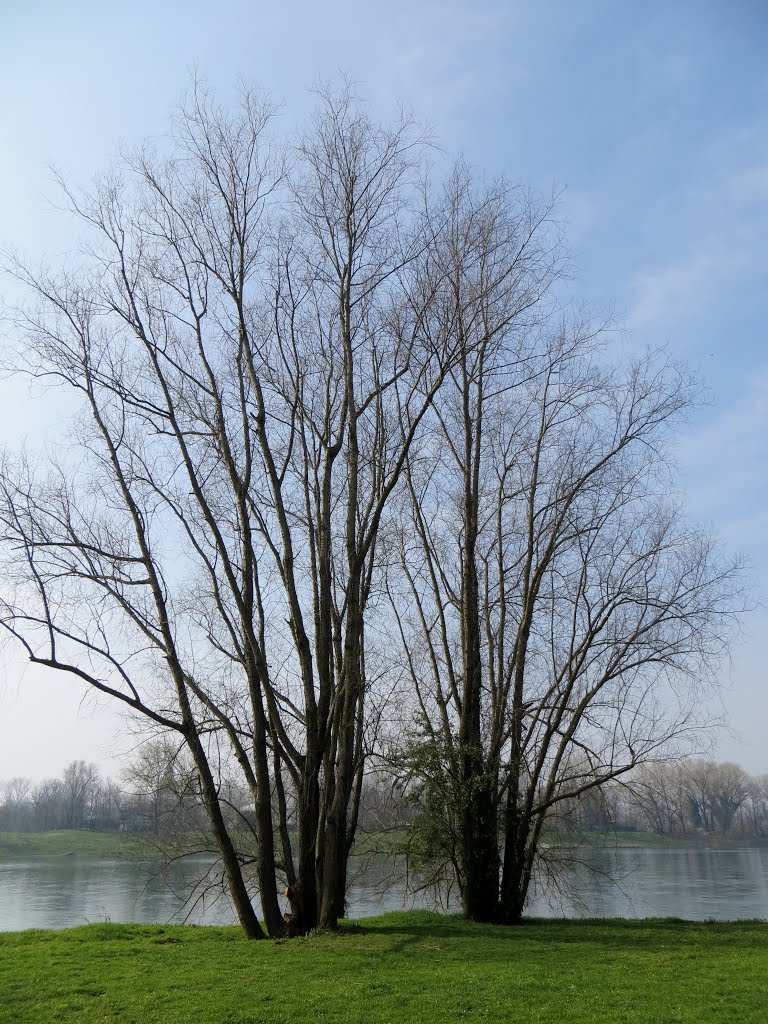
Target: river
[[692, 882]]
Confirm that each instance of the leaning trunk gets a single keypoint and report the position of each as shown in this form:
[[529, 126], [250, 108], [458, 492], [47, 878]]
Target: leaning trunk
[[232, 869]]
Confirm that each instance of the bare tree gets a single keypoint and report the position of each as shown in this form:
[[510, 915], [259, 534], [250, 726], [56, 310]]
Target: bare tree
[[80, 786], [258, 334], [714, 793], [659, 789], [15, 801], [250, 337], [557, 614], [161, 778], [732, 791], [47, 799], [758, 800]]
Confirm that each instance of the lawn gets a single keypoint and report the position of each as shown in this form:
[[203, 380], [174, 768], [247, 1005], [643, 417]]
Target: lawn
[[406, 967]]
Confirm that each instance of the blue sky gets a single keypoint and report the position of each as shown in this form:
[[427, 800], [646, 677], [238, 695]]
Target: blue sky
[[654, 117]]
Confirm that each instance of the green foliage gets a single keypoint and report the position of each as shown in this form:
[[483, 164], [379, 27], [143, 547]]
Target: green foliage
[[432, 797], [438, 794], [397, 968]]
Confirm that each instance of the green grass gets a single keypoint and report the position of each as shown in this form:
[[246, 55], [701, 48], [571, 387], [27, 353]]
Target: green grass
[[63, 843], [406, 967]]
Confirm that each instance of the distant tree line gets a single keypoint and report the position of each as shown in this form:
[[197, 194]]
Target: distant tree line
[[695, 796], [160, 797], [79, 798]]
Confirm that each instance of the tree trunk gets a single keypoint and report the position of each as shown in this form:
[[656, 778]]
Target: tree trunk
[[335, 836], [513, 891], [265, 856], [479, 842], [480, 855], [238, 892], [309, 816]]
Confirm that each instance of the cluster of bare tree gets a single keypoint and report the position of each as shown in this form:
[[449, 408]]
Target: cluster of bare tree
[[692, 797], [80, 798], [699, 796], [352, 490], [553, 595], [159, 797]]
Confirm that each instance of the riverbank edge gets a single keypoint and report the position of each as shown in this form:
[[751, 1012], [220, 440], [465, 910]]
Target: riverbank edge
[[120, 845], [396, 967]]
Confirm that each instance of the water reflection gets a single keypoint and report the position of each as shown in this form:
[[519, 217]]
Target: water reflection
[[690, 882], [697, 883], [61, 893]]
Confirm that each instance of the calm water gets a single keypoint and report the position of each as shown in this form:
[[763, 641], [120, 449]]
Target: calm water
[[686, 882]]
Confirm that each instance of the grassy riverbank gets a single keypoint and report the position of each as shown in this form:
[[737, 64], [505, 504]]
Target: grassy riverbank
[[397, 968], [82, 843], [63, 843], [394, 842]]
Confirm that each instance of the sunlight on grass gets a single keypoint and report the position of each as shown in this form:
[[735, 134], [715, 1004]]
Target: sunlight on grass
[[397, 968]]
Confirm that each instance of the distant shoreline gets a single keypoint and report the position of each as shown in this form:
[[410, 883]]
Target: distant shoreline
[[121, 845]]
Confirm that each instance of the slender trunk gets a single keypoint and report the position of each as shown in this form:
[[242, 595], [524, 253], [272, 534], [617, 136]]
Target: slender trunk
[[350, 684], [515, 829], [233, 873], [479, 831], [265, 856], [334, 865]]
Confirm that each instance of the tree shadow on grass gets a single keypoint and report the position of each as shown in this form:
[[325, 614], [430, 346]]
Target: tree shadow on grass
[[646, 934]]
